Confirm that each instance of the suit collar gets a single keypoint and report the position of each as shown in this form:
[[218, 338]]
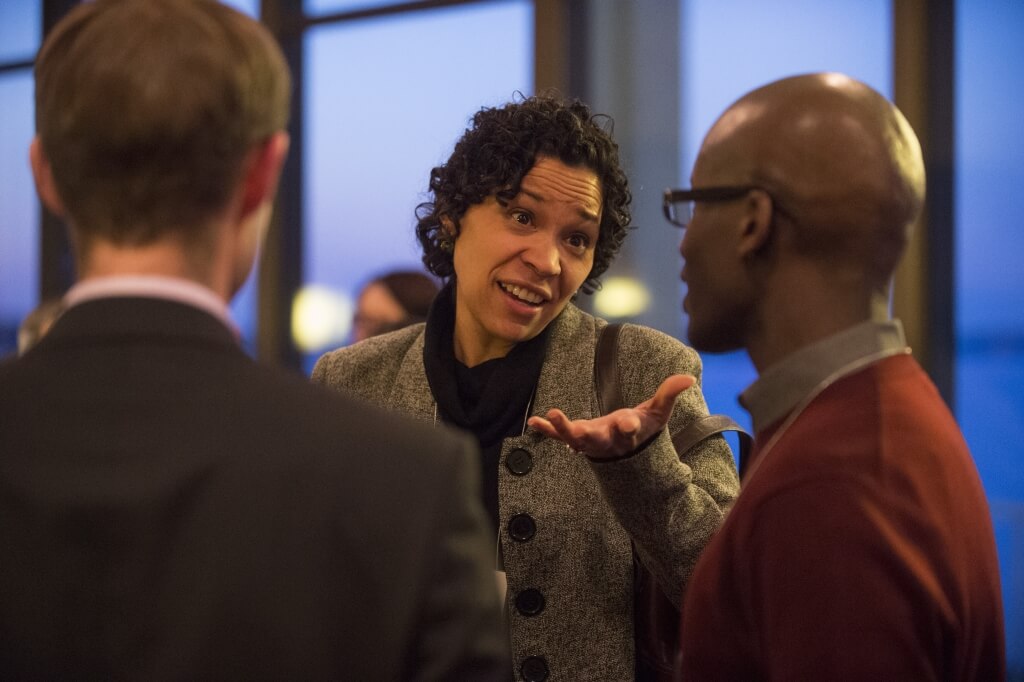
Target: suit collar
[[152, 286], [150, 320], [570, 356]]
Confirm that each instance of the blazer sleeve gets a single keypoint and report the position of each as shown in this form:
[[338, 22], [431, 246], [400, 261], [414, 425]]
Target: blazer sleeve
[[459, 626], [670, 503]]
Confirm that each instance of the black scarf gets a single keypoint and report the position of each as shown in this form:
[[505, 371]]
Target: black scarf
[[488, 400]]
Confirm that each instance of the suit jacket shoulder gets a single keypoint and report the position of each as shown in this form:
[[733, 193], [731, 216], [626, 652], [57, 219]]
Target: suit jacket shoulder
[[368, 369], [190, 513]]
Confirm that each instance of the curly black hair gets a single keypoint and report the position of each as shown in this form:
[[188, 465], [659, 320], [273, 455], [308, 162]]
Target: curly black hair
[[500, 148]]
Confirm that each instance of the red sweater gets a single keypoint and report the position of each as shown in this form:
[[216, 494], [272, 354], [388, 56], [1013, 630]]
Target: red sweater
[[860, 548]]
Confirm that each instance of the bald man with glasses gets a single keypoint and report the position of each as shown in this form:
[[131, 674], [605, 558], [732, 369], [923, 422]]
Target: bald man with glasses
[[861, 546]]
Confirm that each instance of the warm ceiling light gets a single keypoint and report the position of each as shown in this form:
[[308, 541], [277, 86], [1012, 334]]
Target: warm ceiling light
[[621, 297], [321, 317]]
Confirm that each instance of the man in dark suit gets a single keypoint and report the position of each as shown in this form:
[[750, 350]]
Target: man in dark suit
[[170, 509]]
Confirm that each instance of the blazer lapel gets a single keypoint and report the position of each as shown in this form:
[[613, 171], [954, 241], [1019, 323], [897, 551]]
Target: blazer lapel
[[411, 392], [566, 378]]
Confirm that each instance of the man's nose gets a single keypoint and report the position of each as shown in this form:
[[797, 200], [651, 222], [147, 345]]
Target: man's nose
[[683, 245]]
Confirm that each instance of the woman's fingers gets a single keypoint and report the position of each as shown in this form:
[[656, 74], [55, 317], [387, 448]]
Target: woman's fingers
[[627, 423], [665, 397], [555, 425], [621, 431]]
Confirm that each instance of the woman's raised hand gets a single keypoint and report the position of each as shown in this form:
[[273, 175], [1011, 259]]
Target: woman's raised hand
[[616, 433]]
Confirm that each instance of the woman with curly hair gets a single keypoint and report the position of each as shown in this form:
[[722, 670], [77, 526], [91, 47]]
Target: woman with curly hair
[[531, 208]]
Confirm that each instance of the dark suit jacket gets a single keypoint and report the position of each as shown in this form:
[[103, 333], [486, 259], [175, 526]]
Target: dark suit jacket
[[170, 509]]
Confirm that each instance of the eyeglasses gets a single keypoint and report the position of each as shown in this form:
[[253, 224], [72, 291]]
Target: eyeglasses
[[678, 203]]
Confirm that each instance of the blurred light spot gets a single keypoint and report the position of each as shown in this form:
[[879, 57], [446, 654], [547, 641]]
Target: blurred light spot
[[621, 297], [321, 317]]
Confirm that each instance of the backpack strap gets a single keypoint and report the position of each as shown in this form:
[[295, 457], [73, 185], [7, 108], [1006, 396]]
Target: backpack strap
[[708, 426], [606, 370]]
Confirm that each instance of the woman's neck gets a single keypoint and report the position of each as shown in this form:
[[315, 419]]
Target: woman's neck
[[471, 349]]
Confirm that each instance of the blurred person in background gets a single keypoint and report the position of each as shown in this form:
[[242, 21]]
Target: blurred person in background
[[37, 323], [392, 301]]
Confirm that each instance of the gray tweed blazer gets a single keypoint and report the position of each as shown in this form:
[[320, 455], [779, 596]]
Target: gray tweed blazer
[[586, 513]]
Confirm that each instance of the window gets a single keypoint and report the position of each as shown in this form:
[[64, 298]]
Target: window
[[989, 297], [20, 30], [244, 306], [320, 7], [724, 54], [386, 99]]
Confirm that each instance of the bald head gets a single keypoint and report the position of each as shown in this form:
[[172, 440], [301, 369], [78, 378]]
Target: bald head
[[841, 163]]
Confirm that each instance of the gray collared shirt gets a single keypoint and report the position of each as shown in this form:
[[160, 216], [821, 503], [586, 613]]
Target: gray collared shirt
[[785, 384]]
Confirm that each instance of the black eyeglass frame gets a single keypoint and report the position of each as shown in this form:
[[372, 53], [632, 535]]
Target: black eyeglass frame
[[709, 194]]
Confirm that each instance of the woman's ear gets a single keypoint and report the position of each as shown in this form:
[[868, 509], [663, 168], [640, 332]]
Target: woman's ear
[[42, 173], [757, 225], [447, 234]]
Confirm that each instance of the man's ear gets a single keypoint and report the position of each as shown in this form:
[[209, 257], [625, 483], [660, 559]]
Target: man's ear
[[757, 225], [42, 173], [262, 171]]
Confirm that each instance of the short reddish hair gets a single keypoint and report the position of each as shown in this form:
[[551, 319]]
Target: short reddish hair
[[146, 110]]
